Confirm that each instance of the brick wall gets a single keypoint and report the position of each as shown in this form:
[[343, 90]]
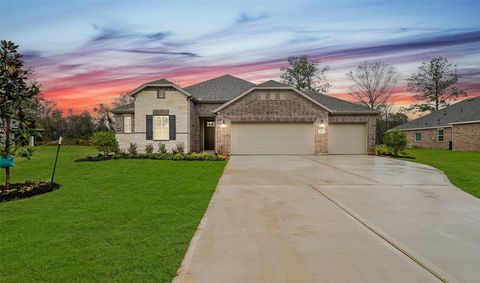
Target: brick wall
[[118, 123], [250, 108], [370, 120], [466, 137], [200, 110], [429, 138]]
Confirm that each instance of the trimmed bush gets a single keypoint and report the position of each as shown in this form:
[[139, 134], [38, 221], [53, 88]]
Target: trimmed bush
[[105, 142], [149, 149], [162, 148], [396, 141], [132, 149], [382, 149]]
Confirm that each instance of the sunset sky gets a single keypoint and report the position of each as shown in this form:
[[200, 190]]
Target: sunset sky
[[87, 52]]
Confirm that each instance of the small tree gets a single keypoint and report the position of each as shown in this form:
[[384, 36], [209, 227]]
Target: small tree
[[105, 142], [305, 74], [373, 83], [434, 85], [17, 98], [395, 140]]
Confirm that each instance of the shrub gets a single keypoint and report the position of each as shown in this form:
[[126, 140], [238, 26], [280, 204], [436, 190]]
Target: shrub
[[149, 149], [396, 141], [105, 142], [132, 149], [180, 148], [382, 149], [162, 148]]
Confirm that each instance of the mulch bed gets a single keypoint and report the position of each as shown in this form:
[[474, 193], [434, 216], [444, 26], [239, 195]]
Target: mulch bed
[[26, 190], [95, 158]]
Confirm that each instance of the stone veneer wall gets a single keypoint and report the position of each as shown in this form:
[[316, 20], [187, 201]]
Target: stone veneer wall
[[466, 137], [429, 138], [250, 108], [197, 111], [370, 120]]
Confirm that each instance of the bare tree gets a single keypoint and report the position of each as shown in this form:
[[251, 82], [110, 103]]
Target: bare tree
[[122, 100], [434, 85], [305, 74], [373, 83], [103, 118]]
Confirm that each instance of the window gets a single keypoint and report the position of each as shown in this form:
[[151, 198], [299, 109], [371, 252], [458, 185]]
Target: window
[[418, 137], [127, 124], [161, 93], [210, 124], [160, 128], [440, 136], [272, 95]]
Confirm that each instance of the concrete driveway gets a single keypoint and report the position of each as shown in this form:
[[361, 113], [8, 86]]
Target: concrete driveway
[[335, 219]]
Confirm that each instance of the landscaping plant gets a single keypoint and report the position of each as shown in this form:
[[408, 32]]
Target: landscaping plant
[[149, 149], [396, 141], [105, 142], [18, 96], [162, 148], [132, 149]]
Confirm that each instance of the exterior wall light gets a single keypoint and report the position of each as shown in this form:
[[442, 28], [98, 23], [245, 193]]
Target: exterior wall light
[[223, 125], [322, 125]]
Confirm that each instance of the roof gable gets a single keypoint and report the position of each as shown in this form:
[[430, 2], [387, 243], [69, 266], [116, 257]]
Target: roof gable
[[463, 111], [272, 83], [263, 88], [223, 88]]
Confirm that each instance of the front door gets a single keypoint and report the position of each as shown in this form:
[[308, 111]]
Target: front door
[[209, 135]]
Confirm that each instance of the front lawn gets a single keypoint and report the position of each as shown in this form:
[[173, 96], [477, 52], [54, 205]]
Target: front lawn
[[119, 220], [461, 167]]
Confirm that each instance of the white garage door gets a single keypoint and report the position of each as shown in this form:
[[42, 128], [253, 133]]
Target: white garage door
[[347, 139], [272, 139]]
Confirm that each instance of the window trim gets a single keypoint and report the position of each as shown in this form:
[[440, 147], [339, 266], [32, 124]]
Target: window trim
[[415, 137], [442, 135], [129, 124], [167, 117]]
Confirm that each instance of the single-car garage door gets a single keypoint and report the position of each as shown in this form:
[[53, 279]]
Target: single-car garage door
[[272, 138], [347, 138]]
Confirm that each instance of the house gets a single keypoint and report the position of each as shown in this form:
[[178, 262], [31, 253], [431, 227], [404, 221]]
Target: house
[[456, 127], [234, 116]]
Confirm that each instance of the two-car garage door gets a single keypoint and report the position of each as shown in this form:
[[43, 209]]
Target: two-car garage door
[[296, 138], [270, 138]]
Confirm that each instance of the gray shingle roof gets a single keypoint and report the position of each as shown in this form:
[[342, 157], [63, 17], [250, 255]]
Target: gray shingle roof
[[222, 88], [161, 81], [336, 104], [272, 83], [463, 111], [129, 108]]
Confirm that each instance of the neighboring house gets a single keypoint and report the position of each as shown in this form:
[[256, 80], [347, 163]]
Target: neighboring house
[[456, 126], [234, 116]]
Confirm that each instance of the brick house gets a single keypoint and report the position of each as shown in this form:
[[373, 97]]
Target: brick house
[[234, 116], [456, 126]]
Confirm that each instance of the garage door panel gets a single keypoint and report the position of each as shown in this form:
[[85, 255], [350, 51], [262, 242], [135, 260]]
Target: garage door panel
[[272, 138], [347, 139]]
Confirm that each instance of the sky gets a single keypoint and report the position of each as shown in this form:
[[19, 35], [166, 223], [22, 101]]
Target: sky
[[88, 52]]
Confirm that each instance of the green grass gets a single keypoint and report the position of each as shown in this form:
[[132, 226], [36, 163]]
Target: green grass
[[461, 167], [119, 220]]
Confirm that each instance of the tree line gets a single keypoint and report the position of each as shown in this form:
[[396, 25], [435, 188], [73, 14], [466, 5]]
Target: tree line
[[76, 128]]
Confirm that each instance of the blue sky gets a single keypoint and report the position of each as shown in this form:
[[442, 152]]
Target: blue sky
[[86, 52]]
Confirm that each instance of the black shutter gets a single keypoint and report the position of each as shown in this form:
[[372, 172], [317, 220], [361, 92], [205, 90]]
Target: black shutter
[[172, 127], [149, 127]]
